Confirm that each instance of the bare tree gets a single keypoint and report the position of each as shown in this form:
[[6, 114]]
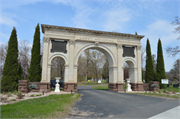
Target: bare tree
[[24, 56], [173, 51], [87, 61], [57, 68], [96, 63], [105, 71], [3, 52]]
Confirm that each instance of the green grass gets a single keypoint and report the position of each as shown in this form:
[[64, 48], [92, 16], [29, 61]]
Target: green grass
[[13, 100], [159, 95], [173, 89], [92, 83], [53, 89], [100, 87], [52, 106]]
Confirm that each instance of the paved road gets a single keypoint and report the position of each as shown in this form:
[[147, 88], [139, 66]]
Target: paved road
[[108, 104]]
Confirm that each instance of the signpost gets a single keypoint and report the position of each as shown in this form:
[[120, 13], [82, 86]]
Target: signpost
[[164, 81]]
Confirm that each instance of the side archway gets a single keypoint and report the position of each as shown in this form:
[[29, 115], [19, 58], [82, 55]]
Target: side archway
[[132, 69], [60, 56]]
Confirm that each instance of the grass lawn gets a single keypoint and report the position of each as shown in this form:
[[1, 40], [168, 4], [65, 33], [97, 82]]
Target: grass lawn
[[158, 95], [52, 106], [91, 83], [53, 89], [173, 89], [100, 87]]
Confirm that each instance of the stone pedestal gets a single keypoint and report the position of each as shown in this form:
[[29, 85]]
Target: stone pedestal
[[23, 86], [70, 86], [120, 86], [112, 86], [140, 87]]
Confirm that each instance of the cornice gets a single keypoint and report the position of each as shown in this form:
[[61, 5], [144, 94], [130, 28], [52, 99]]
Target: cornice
[[79, 30]]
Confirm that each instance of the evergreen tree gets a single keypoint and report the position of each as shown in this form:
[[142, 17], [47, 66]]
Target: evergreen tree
[[20, 72], [160, 71], [9, 81], [136, 33], [149, 74], [142, 75], [35, 67]]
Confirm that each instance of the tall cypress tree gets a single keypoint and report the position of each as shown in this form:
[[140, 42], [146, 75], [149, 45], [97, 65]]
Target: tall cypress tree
[[149, 74], [35, 67], [20, 72], [160, 71], [9, 81]]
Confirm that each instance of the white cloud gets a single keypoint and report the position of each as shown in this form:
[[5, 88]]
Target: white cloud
[[164, 30], [7, 20], [116, 19], [160, 29]]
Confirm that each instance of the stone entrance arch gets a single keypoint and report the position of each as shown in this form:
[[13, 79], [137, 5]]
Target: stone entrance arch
[[68, 43]]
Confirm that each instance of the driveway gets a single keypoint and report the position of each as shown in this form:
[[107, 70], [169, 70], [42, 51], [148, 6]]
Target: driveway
[[109, 104]]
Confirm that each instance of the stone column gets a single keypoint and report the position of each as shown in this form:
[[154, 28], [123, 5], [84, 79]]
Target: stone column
[[139, 72], [71, 61], [119, 62], [48, 72], [112, 78], [45, 59], [75, 73], [120, 72], [66, 73]]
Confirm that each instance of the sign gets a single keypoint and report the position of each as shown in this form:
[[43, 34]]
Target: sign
[[99, 81], [164, 81], [88, 80]]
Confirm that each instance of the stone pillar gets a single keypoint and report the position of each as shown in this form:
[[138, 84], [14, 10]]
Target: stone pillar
[[119, 62], [139, 68], [71, 61], [112, 74], [66, 73], [45, 59], [75, 73], [120, 70], [48, 72]]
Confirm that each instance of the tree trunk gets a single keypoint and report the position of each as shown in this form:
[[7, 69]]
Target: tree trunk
[[86, 78]]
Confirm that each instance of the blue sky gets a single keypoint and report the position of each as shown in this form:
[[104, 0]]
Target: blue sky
[[151, 18]]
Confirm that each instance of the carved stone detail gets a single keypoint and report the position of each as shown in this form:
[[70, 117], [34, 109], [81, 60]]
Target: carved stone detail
[[138, 47], [119, 46], [46, 39], [71, 42], [96, 44]]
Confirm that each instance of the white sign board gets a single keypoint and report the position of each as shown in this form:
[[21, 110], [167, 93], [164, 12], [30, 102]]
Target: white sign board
[[99, 81], [164, 81]]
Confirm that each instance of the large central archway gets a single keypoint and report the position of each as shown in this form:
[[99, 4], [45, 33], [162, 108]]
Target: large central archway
[[109, 56]]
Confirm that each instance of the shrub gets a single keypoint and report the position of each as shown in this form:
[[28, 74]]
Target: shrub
[[32, 96], [15, 92], [9, 94], [19, 93], [13, 100], [38, 94]]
